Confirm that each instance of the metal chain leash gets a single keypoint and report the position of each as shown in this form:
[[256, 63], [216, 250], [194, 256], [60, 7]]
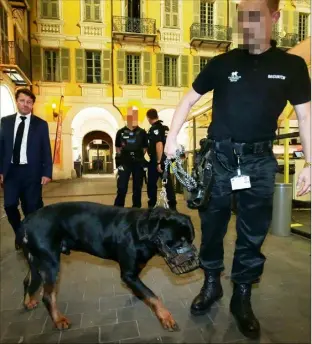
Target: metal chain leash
[[182, 176]]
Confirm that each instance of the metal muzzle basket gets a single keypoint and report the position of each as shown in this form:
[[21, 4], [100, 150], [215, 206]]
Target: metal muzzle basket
[[181, 260]]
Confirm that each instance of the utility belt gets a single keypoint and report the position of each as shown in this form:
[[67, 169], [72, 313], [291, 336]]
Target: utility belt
[[240, 148]]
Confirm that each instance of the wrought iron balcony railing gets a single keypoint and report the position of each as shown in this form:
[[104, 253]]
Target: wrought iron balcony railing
[[285, 41], [12, 55], [144, 26], [210, 32]]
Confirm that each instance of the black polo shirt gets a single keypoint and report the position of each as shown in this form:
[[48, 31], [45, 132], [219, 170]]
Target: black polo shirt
[[156, 133], [251, 91], [132, 142]]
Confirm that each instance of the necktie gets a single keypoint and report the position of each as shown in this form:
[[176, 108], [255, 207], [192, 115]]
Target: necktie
[[18, 141]]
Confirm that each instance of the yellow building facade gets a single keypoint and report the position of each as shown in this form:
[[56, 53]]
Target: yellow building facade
[[103, 56]]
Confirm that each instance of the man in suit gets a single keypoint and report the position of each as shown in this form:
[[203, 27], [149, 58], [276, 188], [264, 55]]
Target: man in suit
[[25, 160]]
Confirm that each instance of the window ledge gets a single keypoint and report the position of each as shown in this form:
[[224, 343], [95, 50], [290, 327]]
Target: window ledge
[[52, 83], [171, 88], [133, 87], [91, 85], [91, 23], [50, 20]]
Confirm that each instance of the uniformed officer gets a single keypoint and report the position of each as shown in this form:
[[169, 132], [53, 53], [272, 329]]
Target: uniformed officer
[[156, 142], [131, 145], [252, 85]]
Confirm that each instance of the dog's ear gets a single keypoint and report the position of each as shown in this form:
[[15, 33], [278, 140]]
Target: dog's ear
[[148, 224]]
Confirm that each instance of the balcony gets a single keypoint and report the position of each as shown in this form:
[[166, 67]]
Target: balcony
[[216, 36], [134, 29], [15, 63], [19, 3], [285, 41]]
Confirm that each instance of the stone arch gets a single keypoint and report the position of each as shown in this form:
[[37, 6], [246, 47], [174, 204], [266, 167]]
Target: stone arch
[[8, 106]]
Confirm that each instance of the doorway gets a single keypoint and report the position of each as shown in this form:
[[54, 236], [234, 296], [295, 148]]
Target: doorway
[[97, 153], [133, 8]]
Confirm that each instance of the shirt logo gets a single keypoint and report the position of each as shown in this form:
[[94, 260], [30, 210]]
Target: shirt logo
[[273, 76], [234, 77], [156, 132]]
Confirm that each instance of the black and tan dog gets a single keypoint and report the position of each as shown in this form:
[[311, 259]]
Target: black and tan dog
[[127, 235]]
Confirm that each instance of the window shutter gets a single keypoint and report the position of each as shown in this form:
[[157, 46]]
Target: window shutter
[[196, 66], [97, 6], [234, 17], [159, 69], [88, 10], [220, 7], [295, 22], [44, 9], [80, 65], [54, 9], [196, 11], [106, 67], [184, 71], [36, 62], [147, 69], [65, 64], [175, 13], [285, 21], [120, 67], [167, 12]]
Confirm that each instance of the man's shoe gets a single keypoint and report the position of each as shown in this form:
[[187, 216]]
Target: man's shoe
[[209, 293], [240, 307]]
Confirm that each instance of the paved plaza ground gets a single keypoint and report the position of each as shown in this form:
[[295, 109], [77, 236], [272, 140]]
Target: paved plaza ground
[[103, 310]]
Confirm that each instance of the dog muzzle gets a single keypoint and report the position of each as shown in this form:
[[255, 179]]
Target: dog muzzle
[[181, 259]]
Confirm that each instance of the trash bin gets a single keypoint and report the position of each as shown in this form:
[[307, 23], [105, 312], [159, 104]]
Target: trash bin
[[282, 209]]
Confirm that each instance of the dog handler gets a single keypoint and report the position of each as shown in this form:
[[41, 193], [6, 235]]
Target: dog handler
[[252, 85]]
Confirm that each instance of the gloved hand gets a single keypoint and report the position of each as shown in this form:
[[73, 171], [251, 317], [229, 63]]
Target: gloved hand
[[118, 159]]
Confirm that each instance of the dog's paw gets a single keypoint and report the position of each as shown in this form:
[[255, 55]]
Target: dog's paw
[[62, 323], [167, 320], [31, 304]]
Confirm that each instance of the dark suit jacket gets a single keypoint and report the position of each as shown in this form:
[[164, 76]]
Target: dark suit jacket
[[38, 152]]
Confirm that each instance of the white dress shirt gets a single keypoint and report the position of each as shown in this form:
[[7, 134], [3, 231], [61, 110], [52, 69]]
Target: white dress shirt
[[23, 153]]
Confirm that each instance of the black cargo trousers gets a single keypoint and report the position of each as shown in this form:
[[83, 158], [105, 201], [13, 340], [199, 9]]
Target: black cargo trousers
[[254, 209]]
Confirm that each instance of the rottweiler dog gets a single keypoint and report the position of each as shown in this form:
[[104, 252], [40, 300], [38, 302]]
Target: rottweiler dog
[[128, 236]]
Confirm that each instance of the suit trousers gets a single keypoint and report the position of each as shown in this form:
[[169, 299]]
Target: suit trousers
[[20, 185], [253, 218]]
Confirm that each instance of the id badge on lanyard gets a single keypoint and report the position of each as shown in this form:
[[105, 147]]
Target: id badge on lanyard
[[240, 181]]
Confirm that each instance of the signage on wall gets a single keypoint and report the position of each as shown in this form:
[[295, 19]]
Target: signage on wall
[[97, 142]]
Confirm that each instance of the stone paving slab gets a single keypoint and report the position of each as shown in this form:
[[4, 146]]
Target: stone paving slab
[[103, 310]]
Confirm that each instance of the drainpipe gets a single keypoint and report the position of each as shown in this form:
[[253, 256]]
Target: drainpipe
[[112, 62], [29, 42]]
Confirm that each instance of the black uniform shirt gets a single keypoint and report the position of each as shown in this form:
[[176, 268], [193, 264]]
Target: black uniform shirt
[[132, 142], [157, 133], [251, 91]]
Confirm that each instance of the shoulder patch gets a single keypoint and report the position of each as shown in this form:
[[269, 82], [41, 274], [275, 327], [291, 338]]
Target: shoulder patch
[[156, 131]]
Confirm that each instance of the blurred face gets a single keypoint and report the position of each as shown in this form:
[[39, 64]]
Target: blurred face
[[24, 104], [132, 118], [255, 22]]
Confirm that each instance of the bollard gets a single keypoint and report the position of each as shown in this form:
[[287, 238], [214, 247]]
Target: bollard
[[282, 209]]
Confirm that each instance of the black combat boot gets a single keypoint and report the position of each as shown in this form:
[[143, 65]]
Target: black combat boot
[[209, 293], [240, 307]]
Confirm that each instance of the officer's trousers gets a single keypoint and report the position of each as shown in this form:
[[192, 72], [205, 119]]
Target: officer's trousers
[[254, 214], [153, 176], [124, 173]]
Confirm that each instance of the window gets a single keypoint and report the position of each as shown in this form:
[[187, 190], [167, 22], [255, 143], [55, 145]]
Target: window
[[172, 13], [133, 69], [171, 77], [93, 63], [50, 9], [203, 61], [92, 10], [206, 18], [51, 65], [303, 26]]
